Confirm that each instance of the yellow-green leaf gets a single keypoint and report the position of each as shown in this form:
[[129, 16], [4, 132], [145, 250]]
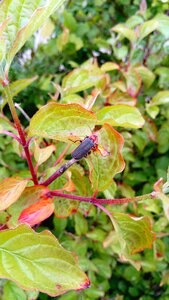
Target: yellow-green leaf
[[109, 66], [160, 98], [103, 169], [10, 191], [42, 154], [121, 115], [62, 122], [135, 234], [147, 27], [24, 18], [125, 31], [36, 261], [146, 75]]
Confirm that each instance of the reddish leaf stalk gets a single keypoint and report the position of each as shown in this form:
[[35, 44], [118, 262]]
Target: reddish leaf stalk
[[24, 143], [102, 201], [12, 135]]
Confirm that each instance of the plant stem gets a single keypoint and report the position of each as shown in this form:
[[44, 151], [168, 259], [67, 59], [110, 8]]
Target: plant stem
[[21, 133], [59, 172], [12, 135], [102, 201]]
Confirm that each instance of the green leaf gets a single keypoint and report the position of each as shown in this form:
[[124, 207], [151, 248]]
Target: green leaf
[[24, 18], [62, 122], [109, 66], [81, 79], [147, 28], [103, 169], [160, 98], [16, 87], [125, 31], [163, 21], [36, 261], [146, 75], [120, 115], [135, 234], [152, 110], [10, 191], [133, 79], [13, 292]]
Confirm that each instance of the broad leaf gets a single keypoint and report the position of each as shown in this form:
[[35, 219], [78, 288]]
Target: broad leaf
[[163, 21], [146, 75], [10, 191], [119, 97], [120, 115], [109, 66], [30, 196], [13, 292], [133, 80], [16, 87], [37, 212], [62, 122], [103, 169], [125, 32], [160, 98], [82, 79], [36, 261], [135, 234], [42, 154], [24, 18], [147, 28]]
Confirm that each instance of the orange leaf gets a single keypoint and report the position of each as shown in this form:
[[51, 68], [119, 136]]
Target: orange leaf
[[37, 212], [10, 191]]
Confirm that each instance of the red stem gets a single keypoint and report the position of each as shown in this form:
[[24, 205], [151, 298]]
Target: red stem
[[12, 135], [59, 172], [102, 201], [24, 143]]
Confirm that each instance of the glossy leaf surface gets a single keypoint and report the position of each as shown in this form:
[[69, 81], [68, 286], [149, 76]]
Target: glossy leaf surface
[[62, 122], [24, 18], [121, 115], [36, 261]]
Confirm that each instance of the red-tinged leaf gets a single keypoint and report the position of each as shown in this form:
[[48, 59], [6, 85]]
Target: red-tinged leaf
[[62, 122], [37, 212], [133, 79], [134, 234], [158, 188], [119, 97], [30, 196], [10, 191], [103, 169], [151, 129]]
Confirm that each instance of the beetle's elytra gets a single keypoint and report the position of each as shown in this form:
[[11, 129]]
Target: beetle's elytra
[[84, 148]]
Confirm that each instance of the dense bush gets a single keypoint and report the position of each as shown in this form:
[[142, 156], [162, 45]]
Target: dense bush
[[111, 59]]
